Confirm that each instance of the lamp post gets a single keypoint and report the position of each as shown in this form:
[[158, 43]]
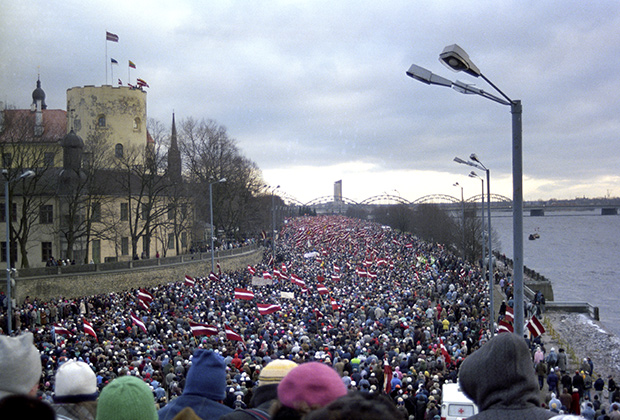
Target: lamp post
[[213, 227], [455, 58], [7, 221], [273, 223], [456, 184]]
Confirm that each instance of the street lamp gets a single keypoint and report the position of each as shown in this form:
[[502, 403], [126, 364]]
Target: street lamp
[[456, 184], [7, 221], [213, 227], [455, 58]]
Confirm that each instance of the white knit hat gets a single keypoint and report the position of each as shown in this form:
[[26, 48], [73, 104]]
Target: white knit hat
[[75, 381], [20, 364]]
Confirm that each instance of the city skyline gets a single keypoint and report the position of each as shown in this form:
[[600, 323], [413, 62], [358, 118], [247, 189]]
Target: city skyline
[[316, 92]]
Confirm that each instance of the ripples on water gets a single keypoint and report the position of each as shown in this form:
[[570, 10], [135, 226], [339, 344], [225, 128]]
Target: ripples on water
[[578, 251]]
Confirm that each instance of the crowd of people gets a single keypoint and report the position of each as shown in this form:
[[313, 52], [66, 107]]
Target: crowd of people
[[391, 318]]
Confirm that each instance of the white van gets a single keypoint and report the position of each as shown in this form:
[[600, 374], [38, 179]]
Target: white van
[[454, 404]]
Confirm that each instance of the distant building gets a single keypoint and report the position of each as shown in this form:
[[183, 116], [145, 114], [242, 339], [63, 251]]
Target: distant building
[[338, 191]]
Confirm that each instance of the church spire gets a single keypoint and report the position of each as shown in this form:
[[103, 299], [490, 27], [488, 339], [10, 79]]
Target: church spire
[[174, 156]]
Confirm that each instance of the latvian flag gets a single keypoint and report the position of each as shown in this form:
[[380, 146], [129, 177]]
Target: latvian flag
[[372, 275], [251, 269], [336, 268], [145, 296], [322, 289], [231, 334], [144, 305], [335, 277], [381, 262], [202, 329], [88, 328], [395, 242], [267, 308], [213, 276], [335, 305], [535, 326], [509, 317], [243, 294], [409, 245], [276, 273], [59, 329], [295, 279], [444, 352], [189, 281], [137, 321], [361, 272], [283, 268], [318, 314], [320, 278], [267, 275], [304, 289], [504, 326]]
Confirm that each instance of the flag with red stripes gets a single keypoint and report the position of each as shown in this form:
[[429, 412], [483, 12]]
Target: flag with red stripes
[[267, 308], [88, 328], [213, 276], [535, 327], [243, 294], [361, 272], [202, 329], [251, 269], [409, 245], [509, 317], [295, 279], [267, 275], [504, 326], [143, 305], [231, 334], [59, 329], [335, 305], [189, 281], [444, 352], [318, 314], [322, 289], [137, 321], [145, 296], [335, 277]]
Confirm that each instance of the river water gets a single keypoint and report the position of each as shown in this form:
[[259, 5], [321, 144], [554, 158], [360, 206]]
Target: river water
[[579, 252]]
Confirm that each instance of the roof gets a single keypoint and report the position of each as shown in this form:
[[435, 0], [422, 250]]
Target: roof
[[17, 125]]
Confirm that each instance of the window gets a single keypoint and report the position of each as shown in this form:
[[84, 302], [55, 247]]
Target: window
[[184, 211], [118, 150], [183, 239], [46, 214], [13, 252], [13, 213], [96, 255], [124, 212], [136, 124], [96, 212], [46, 251], [124, 245], [101, 121], [7, 159], [170, 212], [171, 241], [48, 159]]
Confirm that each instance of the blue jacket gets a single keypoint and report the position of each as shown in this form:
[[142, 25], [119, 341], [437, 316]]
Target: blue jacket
[[202, 406]]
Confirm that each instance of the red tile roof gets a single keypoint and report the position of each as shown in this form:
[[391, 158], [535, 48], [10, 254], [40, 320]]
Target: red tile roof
[[17, 125]]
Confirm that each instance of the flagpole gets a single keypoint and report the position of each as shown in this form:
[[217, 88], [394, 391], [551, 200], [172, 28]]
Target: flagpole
[[106, 59], [112, 72]]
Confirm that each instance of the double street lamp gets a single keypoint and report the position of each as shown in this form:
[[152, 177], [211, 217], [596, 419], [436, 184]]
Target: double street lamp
[[7, 221], [456, 59], [213, 227]]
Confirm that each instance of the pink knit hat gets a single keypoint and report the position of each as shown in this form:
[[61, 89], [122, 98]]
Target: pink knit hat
[[313, 383]]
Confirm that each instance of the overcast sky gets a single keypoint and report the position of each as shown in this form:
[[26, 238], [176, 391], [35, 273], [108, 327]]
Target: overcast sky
[[316, 91]]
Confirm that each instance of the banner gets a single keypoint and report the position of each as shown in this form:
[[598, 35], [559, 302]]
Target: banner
[[287, 295], [259, 281]]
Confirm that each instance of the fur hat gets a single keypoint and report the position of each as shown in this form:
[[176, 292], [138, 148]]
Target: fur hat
[[126, 398], [275, 371], [20, 364], [310, 384], [207, 376], [75, 382]]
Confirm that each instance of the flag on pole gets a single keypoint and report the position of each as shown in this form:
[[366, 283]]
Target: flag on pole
[[444, 352], [88, 328], [335, 277], [120, 83], [267, 275], [142, 83], [132, 64], [295, 279], [189, 281], [267, 308], [202, 329], [318, 314], [251, 269], [535, 327], [137, 321], [322, 289], [335, 305], [504, 326], [59, 329], [243, 294], [109, 36], [231, 334], [113, 61], [145, 296], [213, 276]]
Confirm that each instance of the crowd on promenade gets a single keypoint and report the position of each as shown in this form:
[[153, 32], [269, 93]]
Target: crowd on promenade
[[392, 315]]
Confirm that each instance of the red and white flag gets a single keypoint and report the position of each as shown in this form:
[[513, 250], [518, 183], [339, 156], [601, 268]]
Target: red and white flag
[[251, 269], [189, 281], [336, 268], [510, 315], [59, 329], [145, 296], [320, 278], [335, 277], [88, 328], [202, 329], [295, 279], [504, 326], [267, 308], [335, 305], [243, 294], [231, 334], [137, 321], [304, 289], [535, 327], [109, 36], [213, 276], [444, 352], [361, 272], [322, 289], [267, 275], [409, 245], [144, 305], [318, 314], [372, 275]]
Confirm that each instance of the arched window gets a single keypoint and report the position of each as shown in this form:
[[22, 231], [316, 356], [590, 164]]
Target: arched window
[[136, 124], [118, 150], [101, 120]]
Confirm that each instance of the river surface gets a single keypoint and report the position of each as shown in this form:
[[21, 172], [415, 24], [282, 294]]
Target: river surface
[[579, 252]]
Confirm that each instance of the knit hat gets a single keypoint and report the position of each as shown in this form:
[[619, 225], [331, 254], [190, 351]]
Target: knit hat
[[275, 371], [75, 382], [126, 398], [20, 364], [207, 376], [313, 384]]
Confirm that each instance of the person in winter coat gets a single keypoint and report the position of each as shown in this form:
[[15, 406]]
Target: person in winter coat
[[499, 378]]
